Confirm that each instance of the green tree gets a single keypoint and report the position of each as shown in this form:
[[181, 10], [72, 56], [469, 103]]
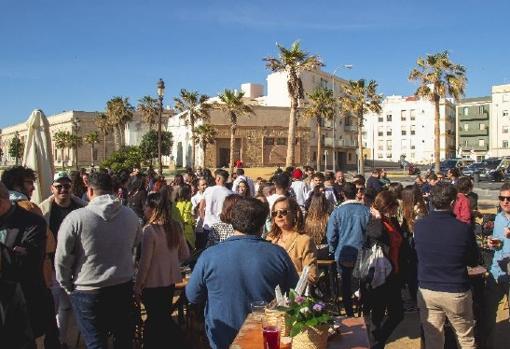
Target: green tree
[[104, 127], [194, 107], [357, 99], [293, 62], [92, 139], [149, 107], [205, 134], [321, 107], [16, 148], [149, 144], [232, 103], [438, 77], [119, 113], [62, 141], [124, 159], [75, 142]]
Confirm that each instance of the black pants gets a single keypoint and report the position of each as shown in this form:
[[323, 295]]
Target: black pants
[[384, 309], [160, 331], [412, 271], [494, 293], [347, 288]]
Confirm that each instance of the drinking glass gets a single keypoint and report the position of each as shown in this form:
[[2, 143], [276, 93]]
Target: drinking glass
[[271, 332], [258, 309]]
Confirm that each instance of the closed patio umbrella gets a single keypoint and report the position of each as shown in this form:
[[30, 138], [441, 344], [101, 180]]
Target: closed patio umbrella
[[38, 155]]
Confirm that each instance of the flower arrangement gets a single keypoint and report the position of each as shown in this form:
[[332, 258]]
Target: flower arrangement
[[303, 312]]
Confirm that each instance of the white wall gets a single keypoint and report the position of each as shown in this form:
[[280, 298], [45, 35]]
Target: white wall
[[500, 121]]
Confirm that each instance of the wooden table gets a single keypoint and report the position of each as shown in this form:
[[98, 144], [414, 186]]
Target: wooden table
[[353, 335]]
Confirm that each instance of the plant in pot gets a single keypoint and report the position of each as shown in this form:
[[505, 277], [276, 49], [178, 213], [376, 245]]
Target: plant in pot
[[309, 322]]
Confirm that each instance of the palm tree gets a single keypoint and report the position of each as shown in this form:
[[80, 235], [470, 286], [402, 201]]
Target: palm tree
[[233, 104], [322, 106], [194, 107], [61, 139], [357, 99], [92, 138], [119, 112], [149, 107], [104, 127], [75, 142], [205, 134], [293, 62], [438, 78]]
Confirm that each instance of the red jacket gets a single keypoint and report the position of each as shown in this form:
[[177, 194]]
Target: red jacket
[[462, 209]]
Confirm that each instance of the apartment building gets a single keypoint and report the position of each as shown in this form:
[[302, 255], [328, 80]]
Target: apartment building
[[473, 127], [405, 129], [500, 121]]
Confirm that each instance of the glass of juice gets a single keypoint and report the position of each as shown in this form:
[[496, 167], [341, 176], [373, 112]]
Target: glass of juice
[[271, 332], [495, 242]]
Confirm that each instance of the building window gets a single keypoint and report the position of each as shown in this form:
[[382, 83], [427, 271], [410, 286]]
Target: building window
[[283, 141], [466, 143], [505, 113], [380, 145], [403, 144], [268, 141], [413, 155], [505, 144], [466, 127], [350, 156], [404, 132], [413, 114], [482, 127], [481, 109], [403, 116], [413, 130], [388, 131], [388, 117], [380, 119], [506, 97], [388, 155], [481, 142], [504, 129], [465, 111], [413, 146], [380, 131], [380, 156]]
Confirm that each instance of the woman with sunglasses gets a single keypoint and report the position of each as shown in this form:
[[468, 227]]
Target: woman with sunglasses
[[287, 232], [383, 305]]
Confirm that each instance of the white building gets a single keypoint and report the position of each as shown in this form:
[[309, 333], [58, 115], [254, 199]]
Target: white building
[[500, 121], [405, 127]]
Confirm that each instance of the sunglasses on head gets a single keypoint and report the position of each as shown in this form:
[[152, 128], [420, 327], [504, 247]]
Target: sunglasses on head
[[504, 198], [279, 213], [62, 186]]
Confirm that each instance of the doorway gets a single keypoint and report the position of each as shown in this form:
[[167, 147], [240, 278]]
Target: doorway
[[224, 157]]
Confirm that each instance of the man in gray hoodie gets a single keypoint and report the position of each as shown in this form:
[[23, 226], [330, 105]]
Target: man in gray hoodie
[[94, 264]]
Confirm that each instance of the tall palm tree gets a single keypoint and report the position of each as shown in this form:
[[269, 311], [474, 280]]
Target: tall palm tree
[[104, 127], [438, 78], [92, 139], [232, 103], [119, 112], [194, 107], [75, 142], [205, 134], [293, 62], [149, 107], [322, 106], [61, 139], [357, 99]]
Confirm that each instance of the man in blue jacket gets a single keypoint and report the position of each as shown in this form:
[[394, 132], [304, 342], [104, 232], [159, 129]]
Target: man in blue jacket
[[498, 282], [346, 233], [240, 270], [445, 248]]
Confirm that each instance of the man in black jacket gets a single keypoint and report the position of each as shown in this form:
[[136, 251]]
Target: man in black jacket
[[445, 248]]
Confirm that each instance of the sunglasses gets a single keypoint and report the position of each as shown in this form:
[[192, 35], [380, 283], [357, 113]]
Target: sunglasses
[[279, 213], [504, 198], [62, 186]]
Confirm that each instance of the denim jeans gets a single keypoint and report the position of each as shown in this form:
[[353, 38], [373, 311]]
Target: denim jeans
[[104, 311], [346, 274]]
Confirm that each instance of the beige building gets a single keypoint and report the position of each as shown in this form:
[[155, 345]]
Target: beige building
[[76, 122], [500, 121]]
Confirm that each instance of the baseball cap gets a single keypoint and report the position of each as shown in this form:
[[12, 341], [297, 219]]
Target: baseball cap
[[297, 174], [60, 176]]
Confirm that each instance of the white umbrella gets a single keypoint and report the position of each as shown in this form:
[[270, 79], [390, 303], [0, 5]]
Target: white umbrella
[[38, 155]]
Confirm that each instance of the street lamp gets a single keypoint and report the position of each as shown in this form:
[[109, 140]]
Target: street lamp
[[75, 124], [161, 93], [346, 66]]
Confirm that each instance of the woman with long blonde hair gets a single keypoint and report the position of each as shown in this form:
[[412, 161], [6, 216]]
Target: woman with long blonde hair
[[163, 248], [287, 231]]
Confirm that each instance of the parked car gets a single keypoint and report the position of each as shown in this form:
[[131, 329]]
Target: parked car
[[448, 164], [470, 170], [494, 169]]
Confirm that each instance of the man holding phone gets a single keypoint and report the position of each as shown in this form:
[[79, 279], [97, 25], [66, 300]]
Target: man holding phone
[[499, 280]]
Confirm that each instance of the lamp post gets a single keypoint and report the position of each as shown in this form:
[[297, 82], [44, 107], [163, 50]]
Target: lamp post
[[75, 124], [161, 93], [346, 66]]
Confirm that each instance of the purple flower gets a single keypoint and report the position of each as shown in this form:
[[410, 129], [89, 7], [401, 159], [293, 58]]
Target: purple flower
[[300, 299], [318, 307]]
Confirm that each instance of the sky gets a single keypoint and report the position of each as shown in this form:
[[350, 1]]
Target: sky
[[59, 55]]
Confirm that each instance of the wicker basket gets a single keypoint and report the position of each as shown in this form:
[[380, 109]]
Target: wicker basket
[[281, 316], [311, 338]]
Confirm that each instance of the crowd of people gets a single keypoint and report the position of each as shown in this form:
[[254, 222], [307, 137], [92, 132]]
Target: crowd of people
[[103, 243]]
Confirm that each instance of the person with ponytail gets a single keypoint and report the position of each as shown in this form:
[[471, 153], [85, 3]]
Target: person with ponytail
[[163, 248]]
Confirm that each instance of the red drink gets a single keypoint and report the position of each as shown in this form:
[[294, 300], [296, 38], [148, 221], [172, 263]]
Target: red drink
[[271, 337]]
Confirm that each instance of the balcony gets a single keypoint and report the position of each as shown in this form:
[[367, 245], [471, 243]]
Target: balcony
[[350, 128], [474, 116], [474, 132], [340, 143]]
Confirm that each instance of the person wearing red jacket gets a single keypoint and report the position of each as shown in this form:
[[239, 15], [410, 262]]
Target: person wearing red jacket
[[462, 207]]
